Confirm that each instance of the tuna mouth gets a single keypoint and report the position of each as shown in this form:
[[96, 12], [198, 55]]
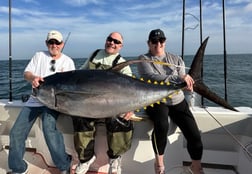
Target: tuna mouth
[[35, 91], [25, 97]]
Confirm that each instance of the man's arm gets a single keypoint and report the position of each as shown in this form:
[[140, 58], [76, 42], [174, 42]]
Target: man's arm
[[34, 80]]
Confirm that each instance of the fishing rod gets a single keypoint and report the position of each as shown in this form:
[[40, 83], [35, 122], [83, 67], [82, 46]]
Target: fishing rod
[[66, 40], [202, 70]]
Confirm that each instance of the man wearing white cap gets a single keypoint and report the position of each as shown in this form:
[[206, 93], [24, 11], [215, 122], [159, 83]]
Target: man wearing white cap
[[42, 64]]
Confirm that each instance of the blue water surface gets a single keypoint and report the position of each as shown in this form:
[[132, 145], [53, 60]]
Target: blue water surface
[[238, 83]]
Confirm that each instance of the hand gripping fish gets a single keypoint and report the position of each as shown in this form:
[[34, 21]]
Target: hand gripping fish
[[107, 93]]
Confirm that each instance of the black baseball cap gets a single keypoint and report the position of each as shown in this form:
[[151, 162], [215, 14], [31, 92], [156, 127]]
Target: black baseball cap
[[156, 34]]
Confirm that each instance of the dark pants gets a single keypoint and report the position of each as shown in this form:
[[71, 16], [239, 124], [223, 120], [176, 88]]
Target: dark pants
[[119, 136], [181, 115]]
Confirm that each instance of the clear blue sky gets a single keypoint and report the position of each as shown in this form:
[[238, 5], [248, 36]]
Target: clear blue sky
[[90, 21]]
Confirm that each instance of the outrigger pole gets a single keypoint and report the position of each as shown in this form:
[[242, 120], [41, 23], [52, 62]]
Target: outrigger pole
[[183, 31], [10, 55], [183, 36], [224, 45]]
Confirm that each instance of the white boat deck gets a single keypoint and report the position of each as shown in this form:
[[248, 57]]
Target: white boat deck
[[222, 153], [37, 165]]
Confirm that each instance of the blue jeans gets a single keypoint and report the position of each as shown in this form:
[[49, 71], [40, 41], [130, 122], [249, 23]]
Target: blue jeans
[[53, 138]]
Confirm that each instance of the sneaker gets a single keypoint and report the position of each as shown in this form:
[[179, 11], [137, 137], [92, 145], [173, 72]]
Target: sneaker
[[83, 167], [26, 171], [188, 170], [65, 172], [159, 169], [115, 166]]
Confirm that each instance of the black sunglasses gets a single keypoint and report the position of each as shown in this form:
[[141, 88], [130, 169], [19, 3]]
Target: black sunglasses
[[52, 41], [110, 39], [52, 63], [155, 41]]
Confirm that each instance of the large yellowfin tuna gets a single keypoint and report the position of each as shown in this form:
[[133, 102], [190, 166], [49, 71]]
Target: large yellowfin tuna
[[99, 93], [106, 93]]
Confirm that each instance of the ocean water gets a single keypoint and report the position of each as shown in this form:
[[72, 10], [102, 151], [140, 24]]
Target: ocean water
[[239, 77]]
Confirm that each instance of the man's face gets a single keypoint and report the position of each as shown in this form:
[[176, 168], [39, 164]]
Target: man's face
[[114, 43], [54, 47]]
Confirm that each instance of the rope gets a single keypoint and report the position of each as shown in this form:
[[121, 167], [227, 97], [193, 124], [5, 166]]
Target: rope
[[234, 138]]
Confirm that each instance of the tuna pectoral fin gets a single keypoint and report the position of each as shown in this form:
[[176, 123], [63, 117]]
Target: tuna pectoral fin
[[204, 91]]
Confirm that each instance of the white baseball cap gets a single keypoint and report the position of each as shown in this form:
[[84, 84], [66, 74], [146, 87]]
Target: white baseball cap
[[54, 34]]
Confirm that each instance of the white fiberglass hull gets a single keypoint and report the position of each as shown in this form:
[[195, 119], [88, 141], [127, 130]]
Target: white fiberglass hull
[[227, 149]]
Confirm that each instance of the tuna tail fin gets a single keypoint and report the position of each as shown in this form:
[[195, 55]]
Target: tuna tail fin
[[197, 63], [203, 90], [199, 86]]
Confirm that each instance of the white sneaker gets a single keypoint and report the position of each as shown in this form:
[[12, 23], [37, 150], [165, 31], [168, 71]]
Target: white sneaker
[[83, 167], [65, 172], [26, 171], [115, 166]]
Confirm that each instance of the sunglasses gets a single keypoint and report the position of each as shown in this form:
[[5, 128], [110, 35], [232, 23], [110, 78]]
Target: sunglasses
[[155, 41], [52, 63], [110, 39], [52, 42]]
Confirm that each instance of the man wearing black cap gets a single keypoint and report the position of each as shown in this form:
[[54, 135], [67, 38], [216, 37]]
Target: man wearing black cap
[[176, 106]]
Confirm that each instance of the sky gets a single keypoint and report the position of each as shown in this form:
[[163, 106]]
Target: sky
[[85, 24]]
